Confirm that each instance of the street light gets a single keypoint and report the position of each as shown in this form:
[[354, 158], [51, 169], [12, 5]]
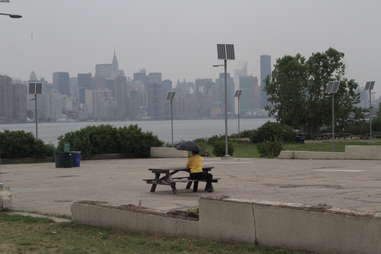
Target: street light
[[237, 95], [170, 97], [35, 88], [13, 16], [225, 52], [332, 88], [369, 85]]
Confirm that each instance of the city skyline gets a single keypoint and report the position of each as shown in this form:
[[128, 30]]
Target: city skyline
[[71, 35], [108, 94]]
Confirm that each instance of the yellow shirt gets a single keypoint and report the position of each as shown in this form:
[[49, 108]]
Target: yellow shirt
[[195, 164]]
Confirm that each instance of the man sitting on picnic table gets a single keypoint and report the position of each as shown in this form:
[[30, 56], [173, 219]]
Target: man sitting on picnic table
[[195, 165]]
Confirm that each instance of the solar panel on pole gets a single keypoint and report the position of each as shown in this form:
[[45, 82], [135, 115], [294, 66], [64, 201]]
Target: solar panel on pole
[[335, 86], [372, 83], [332, 87], [238, 93], [38, 88], [230, 52], [32, 88], [221, 51]]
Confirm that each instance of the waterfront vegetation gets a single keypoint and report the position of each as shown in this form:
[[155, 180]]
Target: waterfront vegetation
[[130, 141], [21, 234], [21, 144]]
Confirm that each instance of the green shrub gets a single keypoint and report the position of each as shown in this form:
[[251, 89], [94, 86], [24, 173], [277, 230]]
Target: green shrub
[[273, 132], [215, 139], [21, 144], [270, 149], [103, 139], [219, 148]]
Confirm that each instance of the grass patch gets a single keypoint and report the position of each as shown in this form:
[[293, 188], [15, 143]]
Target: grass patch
[[245, 150], [249, 150], [21, 234]]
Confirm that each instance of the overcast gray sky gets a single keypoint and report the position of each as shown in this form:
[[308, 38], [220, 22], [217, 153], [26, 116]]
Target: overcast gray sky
[[178, 37]]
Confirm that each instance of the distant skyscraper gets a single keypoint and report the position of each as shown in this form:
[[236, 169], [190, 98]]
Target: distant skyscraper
[[115, 66], [13, 99], [250, 98], [33, 76], [61, 81], [220, 85], [84, 82], [108, 71], [140, 76], [265, 73]]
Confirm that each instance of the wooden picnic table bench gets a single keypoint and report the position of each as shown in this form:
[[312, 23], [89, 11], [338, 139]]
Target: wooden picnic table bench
[[165, 176]]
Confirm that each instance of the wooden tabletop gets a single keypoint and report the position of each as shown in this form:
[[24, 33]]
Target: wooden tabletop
[[178, 169]]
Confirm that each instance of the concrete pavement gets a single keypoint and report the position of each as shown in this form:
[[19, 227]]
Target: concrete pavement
[[42, 188]]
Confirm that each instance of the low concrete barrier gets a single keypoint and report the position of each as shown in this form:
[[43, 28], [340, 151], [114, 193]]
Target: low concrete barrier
[[132, 219], [364, 152], [225, 220], [167, 152], [324, 231], [351, 153], [319, 229]]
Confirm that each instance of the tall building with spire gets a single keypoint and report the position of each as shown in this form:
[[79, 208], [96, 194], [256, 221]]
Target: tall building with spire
[[115, 66], [108, 71]]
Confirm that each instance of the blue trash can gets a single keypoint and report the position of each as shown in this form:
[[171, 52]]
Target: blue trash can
[[76, 159]]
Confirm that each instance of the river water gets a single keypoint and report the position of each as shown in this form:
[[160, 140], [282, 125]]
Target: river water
[[183, 129]]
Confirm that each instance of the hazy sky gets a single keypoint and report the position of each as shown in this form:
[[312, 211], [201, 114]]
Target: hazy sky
[[179, 37]]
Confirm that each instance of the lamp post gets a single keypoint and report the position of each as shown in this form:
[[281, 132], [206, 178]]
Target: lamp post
[[170, 97], [237, 95], [35, 88], [13, 16], [369, 85], [332, 88], [225, 52]]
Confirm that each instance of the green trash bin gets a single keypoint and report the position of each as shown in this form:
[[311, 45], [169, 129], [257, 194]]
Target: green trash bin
[[64, 160]]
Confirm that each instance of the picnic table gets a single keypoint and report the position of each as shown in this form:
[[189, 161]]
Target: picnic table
[[165, 176]]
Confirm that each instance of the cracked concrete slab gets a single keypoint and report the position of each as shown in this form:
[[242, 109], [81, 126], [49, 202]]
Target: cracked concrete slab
[[353, 185]]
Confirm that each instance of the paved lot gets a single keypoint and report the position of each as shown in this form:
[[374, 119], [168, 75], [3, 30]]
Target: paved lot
[[42, 188]]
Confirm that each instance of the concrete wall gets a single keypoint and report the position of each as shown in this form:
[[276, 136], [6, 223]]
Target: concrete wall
[[368, 152], [318, 231], [224, 220], [167, 152], [132, 219], [293, 226], [351, 153]]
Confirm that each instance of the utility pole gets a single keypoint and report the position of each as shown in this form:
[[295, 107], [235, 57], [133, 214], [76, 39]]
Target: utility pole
[[170, 98], [332, 89], [35, 88], [237, 95], [225, 52], [369, 85]]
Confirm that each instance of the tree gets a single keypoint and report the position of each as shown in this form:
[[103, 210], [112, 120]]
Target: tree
[[297, 97]]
